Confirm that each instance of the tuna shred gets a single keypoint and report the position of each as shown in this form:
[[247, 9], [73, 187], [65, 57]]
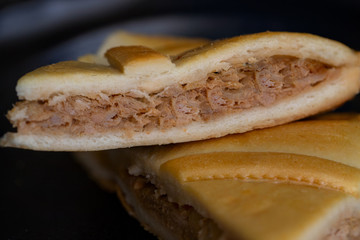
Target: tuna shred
[[240, 87]]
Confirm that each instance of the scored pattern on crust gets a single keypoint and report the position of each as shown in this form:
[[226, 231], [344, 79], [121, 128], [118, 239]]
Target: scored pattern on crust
[[273, 167], [321, 152]]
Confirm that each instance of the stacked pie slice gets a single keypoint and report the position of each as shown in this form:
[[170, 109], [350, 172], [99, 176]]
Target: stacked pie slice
[[148, 95], [166, 106], [295, 181]]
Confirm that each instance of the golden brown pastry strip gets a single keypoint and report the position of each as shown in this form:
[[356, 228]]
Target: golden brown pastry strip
[[268, 167], [138, 60], [333, 137]]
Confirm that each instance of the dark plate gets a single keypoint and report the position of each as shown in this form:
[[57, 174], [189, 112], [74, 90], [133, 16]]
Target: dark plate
[[47, 195]]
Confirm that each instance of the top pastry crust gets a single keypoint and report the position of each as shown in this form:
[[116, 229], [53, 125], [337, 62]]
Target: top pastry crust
[[166, 45], [86, 79]]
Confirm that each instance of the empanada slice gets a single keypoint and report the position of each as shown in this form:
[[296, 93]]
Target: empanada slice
[[147, 98], [229, 208], [228, 188]]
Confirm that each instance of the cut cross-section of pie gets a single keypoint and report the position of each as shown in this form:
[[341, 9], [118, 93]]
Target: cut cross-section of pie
[[145, 97]]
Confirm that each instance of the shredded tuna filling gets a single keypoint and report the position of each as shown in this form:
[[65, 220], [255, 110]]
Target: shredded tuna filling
[[347, 228], [240, 87]]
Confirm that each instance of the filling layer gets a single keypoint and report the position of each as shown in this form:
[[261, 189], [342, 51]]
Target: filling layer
[[348, 228], [240, 87]]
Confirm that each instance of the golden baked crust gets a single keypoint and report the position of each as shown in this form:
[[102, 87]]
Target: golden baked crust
[[278, 167], [168, 45], [138, 60]]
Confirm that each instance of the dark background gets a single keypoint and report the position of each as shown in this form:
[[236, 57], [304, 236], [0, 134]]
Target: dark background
[[46, 195]]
